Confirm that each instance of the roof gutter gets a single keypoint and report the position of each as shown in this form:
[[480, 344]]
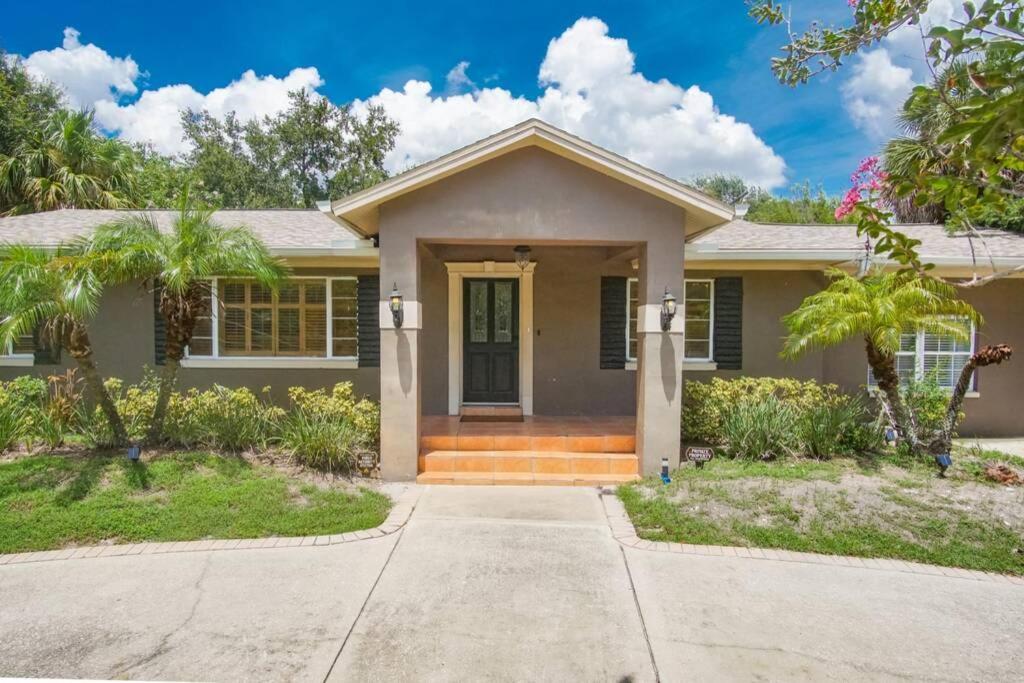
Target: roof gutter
[[711, 253]]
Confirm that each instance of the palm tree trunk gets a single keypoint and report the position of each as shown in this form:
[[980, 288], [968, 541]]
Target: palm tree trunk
[[883, 366], [80, 348], [988, 355], [168, 378]]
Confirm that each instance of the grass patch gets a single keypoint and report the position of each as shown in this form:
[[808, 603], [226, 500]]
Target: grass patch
[[888, 508], [52, 501]]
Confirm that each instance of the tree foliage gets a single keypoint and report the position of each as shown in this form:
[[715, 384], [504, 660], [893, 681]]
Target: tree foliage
[[967, 152], [180, 262], [55, 296], [65, 163], [25, 104], [879, 308], [311, 151], [803, 205]]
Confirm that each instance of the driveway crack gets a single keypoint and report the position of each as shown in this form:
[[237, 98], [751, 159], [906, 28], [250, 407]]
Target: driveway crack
[[162, 646], [362, 608], [640, 613]]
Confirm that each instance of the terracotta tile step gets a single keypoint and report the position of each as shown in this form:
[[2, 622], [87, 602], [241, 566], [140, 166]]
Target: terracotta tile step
[[584, 443], [529, 462], [522, 479]]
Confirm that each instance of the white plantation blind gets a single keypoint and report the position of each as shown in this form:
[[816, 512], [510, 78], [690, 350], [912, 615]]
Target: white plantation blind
[[926, 355]]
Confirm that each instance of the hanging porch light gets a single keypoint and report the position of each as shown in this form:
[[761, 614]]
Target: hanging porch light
[[522, 254]]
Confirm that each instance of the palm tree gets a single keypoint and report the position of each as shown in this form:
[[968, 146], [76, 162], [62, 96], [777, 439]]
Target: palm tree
[[182, 261], [55, 295], [66, 164], [879, 308]]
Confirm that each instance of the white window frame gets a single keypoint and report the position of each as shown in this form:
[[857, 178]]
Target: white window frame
[[711, 321], [631, 285], [9, 358], [328, 361], [707, 363], [919, 354]]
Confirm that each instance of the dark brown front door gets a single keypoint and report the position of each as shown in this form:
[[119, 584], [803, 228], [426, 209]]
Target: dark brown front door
[[490, 334]]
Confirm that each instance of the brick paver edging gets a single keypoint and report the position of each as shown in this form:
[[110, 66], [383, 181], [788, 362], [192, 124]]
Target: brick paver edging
[[395, 520], [625, 533]]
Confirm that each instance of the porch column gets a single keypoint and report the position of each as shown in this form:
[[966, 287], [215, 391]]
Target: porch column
[[660, 355], [399, 360]]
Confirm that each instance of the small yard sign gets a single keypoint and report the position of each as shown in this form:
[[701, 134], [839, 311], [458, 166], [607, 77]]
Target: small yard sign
[[699, 454], [366, 461]]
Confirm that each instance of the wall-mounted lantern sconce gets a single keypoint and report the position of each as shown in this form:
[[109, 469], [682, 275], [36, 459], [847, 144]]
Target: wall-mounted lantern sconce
[[668, 310], [395, 304], [522, 253]]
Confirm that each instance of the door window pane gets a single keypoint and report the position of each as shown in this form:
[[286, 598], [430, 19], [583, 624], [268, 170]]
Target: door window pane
[[503, 312], [478, 312]]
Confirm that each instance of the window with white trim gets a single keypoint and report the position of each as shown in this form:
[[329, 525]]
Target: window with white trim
[[22, 347], [698, 311], [308, 317], [926, 354]]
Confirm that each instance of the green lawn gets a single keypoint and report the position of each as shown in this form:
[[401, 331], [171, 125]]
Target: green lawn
[[883, 507], [53, 501]]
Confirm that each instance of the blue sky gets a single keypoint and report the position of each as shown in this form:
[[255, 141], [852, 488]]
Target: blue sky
[[354, 51]]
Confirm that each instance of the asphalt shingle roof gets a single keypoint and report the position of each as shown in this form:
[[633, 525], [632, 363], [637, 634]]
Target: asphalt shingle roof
[[278, 228], [741, 235]]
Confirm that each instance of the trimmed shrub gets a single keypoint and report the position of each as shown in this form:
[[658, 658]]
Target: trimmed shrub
[[342, 405], [761, 428], [707, 403]]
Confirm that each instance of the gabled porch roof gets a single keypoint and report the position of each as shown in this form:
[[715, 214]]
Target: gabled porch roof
[[359, 210]]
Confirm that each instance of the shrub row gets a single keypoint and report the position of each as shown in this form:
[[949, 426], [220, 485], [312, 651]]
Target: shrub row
[[318, 428], [767, 417]]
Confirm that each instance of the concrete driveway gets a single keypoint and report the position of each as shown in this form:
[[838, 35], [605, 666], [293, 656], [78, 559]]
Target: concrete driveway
[[500, 584]]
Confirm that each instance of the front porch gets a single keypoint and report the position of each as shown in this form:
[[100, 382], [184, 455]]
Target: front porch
[[540, 450]]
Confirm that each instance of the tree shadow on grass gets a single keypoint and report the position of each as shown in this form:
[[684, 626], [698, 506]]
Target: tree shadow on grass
[[84, 481], [136, 473]]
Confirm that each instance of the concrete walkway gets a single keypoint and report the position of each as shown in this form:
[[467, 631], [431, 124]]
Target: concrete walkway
[[506, 584]]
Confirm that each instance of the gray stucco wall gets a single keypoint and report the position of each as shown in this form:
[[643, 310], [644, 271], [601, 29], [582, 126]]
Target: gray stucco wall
[[122, 336], [768, 295]]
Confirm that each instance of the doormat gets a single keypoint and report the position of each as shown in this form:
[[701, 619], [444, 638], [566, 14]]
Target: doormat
[[492, 418]]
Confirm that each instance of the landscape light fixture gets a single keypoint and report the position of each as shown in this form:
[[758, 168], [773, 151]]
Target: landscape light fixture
[[668, 310], [395, 304], [522, 253]]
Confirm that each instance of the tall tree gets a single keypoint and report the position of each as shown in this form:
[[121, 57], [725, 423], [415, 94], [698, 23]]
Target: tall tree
[[67, 164], [879, 308], [181, 263], [25, 104], [310, 151], [55, 296]]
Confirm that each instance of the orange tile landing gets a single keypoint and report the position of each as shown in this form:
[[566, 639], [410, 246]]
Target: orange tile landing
[[566, 451]]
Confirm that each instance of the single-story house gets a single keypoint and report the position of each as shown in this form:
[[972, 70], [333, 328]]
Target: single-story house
[[532, 268]]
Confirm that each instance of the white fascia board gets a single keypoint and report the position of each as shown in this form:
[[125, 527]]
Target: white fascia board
[[513, 138], [361, 251]]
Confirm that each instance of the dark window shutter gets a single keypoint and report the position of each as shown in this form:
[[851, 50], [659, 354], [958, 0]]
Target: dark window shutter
[[613, 323], [159, 330], [729, 323], [45, 353], [368, 320]]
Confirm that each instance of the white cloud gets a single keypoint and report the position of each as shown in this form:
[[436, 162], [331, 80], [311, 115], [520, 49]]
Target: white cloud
[[458, 80], [155, 117], [86, 73], [881, 79], [875, 91], [591, 88]]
